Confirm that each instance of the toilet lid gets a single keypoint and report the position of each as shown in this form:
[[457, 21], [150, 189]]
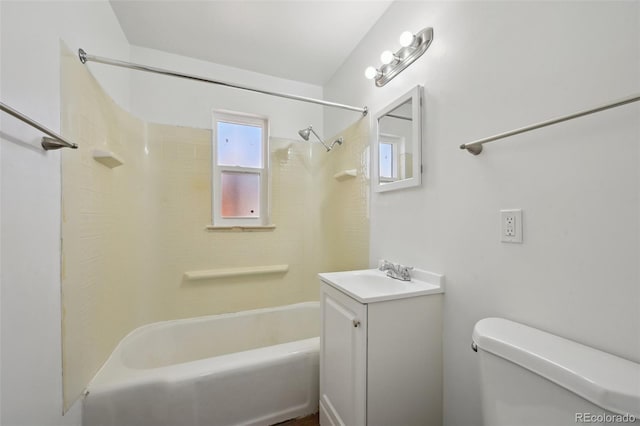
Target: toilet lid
[[608, 381]]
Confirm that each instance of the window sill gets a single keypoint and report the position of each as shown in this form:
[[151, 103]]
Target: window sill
[[237, 228]]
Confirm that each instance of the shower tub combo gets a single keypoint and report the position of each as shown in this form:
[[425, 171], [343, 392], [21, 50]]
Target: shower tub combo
[[256, 367]]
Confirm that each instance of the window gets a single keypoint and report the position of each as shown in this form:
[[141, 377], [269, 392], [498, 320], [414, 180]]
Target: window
[[240, 169], [389, 157]]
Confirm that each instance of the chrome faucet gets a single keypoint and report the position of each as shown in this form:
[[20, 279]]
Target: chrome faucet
[[396, 270]]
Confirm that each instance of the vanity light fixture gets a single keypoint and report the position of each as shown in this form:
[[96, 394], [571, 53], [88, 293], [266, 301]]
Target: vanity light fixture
[[388, 57], [413, 46], [372, 72]]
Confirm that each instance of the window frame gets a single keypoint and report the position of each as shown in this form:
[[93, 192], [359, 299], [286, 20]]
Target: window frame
[[243, 119]]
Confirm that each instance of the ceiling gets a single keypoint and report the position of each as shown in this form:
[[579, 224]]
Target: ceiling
[[296, 39]]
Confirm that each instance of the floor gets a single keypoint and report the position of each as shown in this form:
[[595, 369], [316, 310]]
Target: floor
[[313, 420]]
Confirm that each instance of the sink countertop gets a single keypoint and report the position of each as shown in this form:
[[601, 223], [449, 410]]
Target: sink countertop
[[373, 285]]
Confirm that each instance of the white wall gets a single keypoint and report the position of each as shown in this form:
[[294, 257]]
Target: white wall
[[0, 227], [495, 66], [31, 386], [175, 101]]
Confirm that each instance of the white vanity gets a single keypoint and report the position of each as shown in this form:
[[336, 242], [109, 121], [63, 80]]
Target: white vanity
[[381, 349]]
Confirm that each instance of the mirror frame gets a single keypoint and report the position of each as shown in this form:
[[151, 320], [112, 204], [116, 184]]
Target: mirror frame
[[415, 95]]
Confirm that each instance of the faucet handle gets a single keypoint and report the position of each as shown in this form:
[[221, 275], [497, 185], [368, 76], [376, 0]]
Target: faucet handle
[[383, 265], [405, 272]]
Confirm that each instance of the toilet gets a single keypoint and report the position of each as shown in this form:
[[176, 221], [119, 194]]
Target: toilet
[[532, 378]]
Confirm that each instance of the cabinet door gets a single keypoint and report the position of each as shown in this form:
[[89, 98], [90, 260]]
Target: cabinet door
[[343, 364]]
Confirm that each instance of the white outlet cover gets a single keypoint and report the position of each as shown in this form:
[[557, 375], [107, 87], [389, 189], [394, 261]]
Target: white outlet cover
[[511, 226]]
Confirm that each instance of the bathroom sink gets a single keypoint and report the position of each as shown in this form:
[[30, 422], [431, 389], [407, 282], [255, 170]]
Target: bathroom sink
[[372, 285]]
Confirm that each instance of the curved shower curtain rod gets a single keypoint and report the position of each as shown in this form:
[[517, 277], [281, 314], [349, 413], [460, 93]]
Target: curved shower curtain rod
[[85, 57]]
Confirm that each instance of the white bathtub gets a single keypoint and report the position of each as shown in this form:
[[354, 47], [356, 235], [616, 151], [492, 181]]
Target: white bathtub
[[255, 367]]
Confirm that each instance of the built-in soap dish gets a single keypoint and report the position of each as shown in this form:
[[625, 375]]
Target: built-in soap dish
[[106, 158], [345, 174]]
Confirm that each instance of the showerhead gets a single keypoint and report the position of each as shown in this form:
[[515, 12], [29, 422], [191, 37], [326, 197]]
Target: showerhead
[[304, 133]]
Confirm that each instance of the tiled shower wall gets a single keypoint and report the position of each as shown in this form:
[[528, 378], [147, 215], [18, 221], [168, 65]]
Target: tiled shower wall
[[344, 203], [131, 232]]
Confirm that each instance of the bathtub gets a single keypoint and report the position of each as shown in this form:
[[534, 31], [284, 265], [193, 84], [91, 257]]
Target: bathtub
[[256, 367]]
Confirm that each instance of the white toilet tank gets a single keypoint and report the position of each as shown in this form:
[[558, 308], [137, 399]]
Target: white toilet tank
[[533, 378]]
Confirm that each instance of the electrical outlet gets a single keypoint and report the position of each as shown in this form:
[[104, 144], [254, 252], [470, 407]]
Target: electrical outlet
[[511, 226]]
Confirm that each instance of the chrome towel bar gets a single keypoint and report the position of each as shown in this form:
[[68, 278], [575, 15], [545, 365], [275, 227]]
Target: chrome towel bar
[[475, 147], [54, 142]]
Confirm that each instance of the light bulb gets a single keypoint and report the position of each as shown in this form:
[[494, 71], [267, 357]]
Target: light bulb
[[406, 39], [387, 57], [370, 73]]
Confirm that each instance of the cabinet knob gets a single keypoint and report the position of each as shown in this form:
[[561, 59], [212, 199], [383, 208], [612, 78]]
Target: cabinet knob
[[356, 323]]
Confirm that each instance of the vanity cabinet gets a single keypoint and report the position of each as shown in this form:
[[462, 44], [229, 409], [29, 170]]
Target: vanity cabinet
[[381, 360], [343, 358]]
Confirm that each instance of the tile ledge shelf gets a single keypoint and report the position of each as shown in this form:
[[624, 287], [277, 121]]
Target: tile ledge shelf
[[345, 174], [106, 158], [235, 272], [240, 228]]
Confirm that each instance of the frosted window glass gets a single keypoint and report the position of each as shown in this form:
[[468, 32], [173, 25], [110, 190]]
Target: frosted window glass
[[239, 145], [240, 194], [386, 160]]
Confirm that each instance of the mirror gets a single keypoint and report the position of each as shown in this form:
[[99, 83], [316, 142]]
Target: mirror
[[396, 148]]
